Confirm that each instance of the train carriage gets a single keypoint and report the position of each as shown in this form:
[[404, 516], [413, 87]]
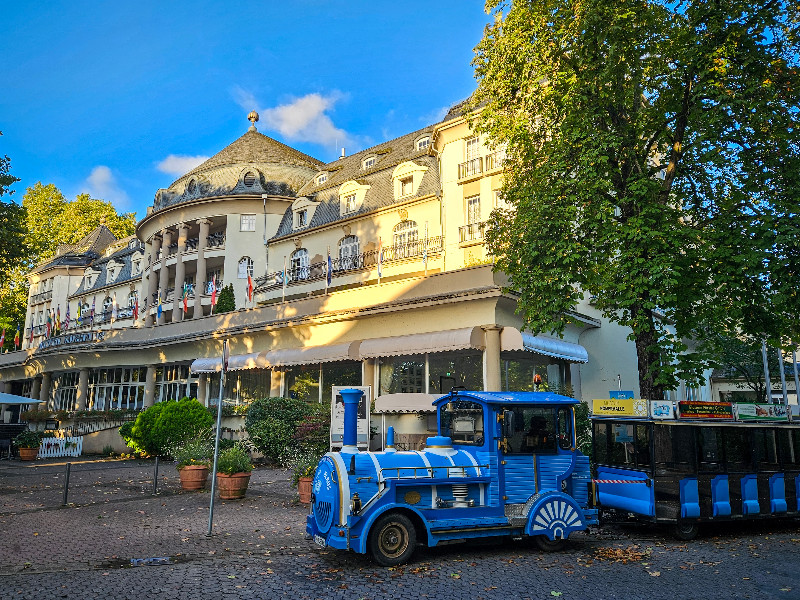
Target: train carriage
[[503, 464], [697, 462]]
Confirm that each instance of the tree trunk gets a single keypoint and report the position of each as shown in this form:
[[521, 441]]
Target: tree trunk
[[647, 358]]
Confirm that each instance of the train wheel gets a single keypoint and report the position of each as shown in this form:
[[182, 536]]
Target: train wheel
[[392, 540], [685, 531], [547, 545]]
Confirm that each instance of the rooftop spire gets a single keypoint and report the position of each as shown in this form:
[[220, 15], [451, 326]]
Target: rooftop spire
[[253, 118]]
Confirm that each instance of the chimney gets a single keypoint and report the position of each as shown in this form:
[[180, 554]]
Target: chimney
[[350, 434], [342, 155]]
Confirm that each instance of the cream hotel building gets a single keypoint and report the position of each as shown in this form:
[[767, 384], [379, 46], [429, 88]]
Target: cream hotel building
[[408, 302]]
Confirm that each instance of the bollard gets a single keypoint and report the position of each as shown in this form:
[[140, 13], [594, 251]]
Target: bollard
[[66, 484], [155, 478]]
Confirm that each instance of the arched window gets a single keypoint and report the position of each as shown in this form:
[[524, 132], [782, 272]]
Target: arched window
[[405, 238], [245, 267], [132, 299], [107, 304], [298, 269], [349, 255]]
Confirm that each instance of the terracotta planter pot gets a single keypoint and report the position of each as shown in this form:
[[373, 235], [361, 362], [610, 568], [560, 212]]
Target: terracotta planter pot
[[304, 489], [28, 453], [232, 487], [193, 477]]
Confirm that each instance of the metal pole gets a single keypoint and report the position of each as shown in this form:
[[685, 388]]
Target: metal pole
[[217, 435], [767, 382], [796, 378], [66, 484], [155, 477], [783, 379]]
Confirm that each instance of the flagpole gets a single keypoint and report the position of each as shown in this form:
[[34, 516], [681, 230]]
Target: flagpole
[[327, 270], [425, 250], [283, 299], [380, 259]]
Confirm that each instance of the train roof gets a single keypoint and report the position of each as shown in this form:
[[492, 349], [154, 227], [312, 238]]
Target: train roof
[[507, 398]]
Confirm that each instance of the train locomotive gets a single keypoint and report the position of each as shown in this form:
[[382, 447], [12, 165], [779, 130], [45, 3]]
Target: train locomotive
[[502, 464]]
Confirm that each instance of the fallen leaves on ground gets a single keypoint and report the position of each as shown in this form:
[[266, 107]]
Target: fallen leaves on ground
[[622, 555]]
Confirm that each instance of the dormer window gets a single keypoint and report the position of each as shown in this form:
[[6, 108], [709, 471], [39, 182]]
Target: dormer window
[[350, 203], [136, 267], [423, 143], [322, 178], [406, 186], [301, 218], [113, 270], [192, 187], [369, 162], [407, 178], [249, 179]]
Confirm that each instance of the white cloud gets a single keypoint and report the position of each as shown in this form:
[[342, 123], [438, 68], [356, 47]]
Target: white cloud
[[178, 165], [102, 184], [303, 119]]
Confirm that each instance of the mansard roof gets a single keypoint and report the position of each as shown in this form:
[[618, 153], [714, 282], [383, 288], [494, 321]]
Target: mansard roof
[[83, 252], [124, 255]]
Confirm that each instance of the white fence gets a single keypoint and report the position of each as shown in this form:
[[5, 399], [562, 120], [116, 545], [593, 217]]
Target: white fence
[[52, 447]]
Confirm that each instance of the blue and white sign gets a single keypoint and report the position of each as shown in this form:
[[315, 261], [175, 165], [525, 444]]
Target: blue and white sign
[[620, 394], [662, 409]]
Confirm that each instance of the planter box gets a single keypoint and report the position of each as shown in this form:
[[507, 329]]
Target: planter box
[[193, 477], [232, 487]]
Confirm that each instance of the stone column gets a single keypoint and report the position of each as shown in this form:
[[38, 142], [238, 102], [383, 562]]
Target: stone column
[[180, 274], [200, 277], [202, 384], [163, 276], [44, 390], [149, 387], [491, 358], [152, 281], [82, 393], [35, 387], [275, 383]]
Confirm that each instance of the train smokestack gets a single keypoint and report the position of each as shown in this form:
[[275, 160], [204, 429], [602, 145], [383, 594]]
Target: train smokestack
[[351, 399]]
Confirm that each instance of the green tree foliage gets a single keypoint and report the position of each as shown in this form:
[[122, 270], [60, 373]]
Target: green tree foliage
[[654, 163], [163, 426], [226, 301], [741, 359]]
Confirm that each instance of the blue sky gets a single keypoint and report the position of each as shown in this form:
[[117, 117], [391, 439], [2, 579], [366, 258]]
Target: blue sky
[[119, 99]]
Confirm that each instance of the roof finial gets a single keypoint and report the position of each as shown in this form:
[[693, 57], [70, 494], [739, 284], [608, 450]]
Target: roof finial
[[253, 118]]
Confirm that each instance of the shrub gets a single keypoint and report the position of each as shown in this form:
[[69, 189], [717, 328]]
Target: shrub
[[271, 424], [108, 450], [313, 432], [164, 425], [35, 415], [273, 438], [226, 302], [234, 460], [28, 439]]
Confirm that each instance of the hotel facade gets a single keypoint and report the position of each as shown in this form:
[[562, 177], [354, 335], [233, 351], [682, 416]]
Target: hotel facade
[[369, 270]]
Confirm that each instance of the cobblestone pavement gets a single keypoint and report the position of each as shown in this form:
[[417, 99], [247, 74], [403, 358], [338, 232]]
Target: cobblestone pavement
[[90, 549]]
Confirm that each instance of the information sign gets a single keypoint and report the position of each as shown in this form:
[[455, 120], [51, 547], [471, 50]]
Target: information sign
[[619, 407], [761, 412], [662, 409], [621, 394], [705, 410]]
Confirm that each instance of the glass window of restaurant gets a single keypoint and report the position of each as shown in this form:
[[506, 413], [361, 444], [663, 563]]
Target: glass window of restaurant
[[314, 382], [518, 369], [431, 373], [116, 388]]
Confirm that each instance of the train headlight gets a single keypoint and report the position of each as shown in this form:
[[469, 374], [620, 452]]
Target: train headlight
[[355, 504]]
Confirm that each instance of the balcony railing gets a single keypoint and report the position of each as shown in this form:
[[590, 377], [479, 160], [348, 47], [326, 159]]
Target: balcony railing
[[348, 264], [495, 160], [470, 168], [471, 232], [216, 240], [42, 297]]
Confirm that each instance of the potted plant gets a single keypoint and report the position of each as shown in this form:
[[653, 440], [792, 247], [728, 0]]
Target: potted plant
[[303, 475], [194, 458], [233, 472], [28, 443]]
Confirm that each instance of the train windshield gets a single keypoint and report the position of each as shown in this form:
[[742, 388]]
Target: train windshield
[[462, 421], [539, 429]]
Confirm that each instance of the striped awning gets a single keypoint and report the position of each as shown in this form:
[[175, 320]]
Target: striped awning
[[206, 365], [422, 343], [514, 339], [240, 362], [310, 355]]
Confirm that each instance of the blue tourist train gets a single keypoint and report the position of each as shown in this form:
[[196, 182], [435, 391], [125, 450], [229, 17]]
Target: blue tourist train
[[502, 464]]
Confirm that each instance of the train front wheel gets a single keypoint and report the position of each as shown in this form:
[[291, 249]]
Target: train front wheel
[[685, 531], [546, 544], [392, 540]]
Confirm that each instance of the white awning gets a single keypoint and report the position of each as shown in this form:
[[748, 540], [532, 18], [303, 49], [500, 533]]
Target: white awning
[[308, 356], [421, 343], [239, 362], [407, 402], [14, 399], [514, 339], [206, 365]]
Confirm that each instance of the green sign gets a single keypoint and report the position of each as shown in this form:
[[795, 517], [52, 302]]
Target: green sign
[[705, 410], [761, 412]]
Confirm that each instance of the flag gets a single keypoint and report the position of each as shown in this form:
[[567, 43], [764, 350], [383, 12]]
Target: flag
[[380, 258], [92, 315], [58, 319], [185, 298], [159, 309], [31, 339], [136, 307], [114, 309], [213, 292], [66, 318], [3, 337], [16, 338], [425, 248], [78, 317], [330, 266], [249, 287], [49, 323]]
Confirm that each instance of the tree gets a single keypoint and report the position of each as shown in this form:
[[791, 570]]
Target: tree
[[13, 250], [653, 164], [742, 359], [226, 301]]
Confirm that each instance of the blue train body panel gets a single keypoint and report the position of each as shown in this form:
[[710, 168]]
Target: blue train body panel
[[477, 483]]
